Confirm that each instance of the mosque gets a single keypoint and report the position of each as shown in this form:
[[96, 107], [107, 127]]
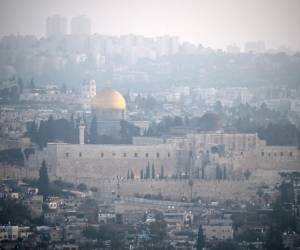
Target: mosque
[[108, 108], [202, 155]]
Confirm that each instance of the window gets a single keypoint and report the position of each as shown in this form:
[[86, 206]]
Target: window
[[102, 155], [113, 154], [147, 155], [67, 154], [291, 154], [281, 153], [169, 155], [262, 153], [80, 154], [124, 155], [157, 155], [275, 154], [135, 154], [242, 153]]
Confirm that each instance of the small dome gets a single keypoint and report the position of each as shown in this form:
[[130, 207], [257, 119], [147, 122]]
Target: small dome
[[108, 99]]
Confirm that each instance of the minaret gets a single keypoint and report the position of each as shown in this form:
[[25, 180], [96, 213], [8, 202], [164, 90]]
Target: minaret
[[81, 132]]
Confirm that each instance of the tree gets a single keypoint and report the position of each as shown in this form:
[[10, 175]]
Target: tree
[[274, 239], [14, 212], [64, 88], [20, 83], [158, 230], [132, 175], [161, 175], [200, 239], [31, 84], [218, 173], [94, 189], [142, 174], [153, 171], [191, 184], [42, 134], [247, 174], [147, 171], [50, 129], [225, 245], [90, 232], [209, 121], [127, 131], [128, 177], [43, 181], [82, 187], [32, 131], [94, 131]]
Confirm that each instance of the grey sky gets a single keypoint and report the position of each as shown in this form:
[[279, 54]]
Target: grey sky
[[214, 23]]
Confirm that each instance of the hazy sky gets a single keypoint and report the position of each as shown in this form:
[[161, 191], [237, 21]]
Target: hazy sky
[[214, 23]]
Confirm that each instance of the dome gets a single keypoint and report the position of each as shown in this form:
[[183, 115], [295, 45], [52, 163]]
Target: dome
[[108, 99]]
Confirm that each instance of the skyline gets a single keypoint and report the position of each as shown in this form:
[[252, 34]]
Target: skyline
[[218, 24]]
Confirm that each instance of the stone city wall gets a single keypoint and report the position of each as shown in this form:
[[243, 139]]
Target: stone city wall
[[71, 162], [16, 172], [177, 189]]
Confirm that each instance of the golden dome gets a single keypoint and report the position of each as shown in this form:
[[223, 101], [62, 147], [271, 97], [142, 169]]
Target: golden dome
[[108, 99]]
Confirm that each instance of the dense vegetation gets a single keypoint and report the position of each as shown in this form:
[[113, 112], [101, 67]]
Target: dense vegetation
[[12, 156]]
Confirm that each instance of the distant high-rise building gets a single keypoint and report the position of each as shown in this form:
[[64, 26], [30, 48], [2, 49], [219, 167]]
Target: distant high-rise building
[[89, 89], [233, 49], [167, 45], [81, 25], [56, 26], [255, 47]]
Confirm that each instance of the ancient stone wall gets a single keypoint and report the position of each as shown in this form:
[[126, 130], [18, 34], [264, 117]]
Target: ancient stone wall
[[16, 172], [73, 161]]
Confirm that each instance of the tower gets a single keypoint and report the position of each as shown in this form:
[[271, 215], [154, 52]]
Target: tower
[[56, 26], [81, 25], [81, 133]]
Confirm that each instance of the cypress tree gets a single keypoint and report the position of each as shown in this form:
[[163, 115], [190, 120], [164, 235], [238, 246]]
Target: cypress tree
[[128, 174], [161, 176], [50, 129], [32, 131], [142, 174], [200, 239], [148, 171], [153, 171], [93, 131], [42, 135], [43, 181]]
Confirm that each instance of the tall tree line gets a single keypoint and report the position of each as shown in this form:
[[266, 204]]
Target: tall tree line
[[52, 130]]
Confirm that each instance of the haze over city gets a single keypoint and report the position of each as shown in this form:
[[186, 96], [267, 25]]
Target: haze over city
[[212, 23], [146, 124]]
